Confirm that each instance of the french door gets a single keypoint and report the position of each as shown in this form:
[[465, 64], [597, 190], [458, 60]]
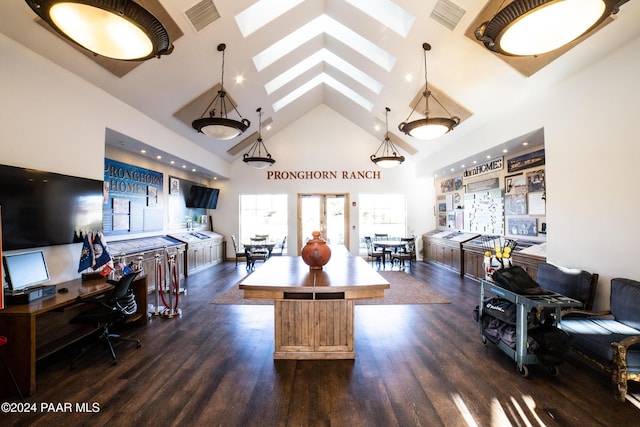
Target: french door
[[326, 213]]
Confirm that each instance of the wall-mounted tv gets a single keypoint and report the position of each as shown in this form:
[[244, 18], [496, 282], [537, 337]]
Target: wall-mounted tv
[[45, 209], [202, 197]]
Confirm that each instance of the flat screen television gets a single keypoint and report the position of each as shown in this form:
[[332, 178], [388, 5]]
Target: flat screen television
[[46, 209], [202, 197], [25, 270]]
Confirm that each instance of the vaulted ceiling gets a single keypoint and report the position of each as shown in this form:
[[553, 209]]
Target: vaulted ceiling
[[356, 56]]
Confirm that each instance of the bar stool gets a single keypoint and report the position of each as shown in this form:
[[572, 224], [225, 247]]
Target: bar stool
[[3, 342]]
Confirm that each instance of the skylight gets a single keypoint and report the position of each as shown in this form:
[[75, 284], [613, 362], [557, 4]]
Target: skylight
[[261, 13], [320, 25], [323, 55], [387, 13], [330, 81]]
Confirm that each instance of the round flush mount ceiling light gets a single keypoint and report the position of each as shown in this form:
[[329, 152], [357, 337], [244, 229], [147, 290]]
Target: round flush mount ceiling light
[[117, 29], [534, 27]]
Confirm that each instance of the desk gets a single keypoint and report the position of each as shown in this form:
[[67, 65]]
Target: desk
[[314, 310], [39, 329]]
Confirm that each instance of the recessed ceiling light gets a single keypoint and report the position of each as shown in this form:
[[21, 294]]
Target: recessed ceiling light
[[173, 162], [158, 157], [239, 79], [475, 161], [505, 151], [461, 166], [193, 170], [143, 151], [408, 77], [184, 166], [488, 156], [525, 143]]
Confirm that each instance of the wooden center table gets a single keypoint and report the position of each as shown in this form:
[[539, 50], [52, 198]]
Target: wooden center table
[[314, 309]]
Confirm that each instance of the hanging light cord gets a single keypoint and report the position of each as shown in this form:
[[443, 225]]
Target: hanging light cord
[[426, 94], [221, 94]]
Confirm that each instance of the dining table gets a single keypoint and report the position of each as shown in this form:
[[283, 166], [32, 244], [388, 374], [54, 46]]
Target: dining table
[[389, 246]]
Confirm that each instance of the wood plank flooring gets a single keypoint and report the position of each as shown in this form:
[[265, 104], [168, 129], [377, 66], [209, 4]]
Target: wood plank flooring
[[416, 365]]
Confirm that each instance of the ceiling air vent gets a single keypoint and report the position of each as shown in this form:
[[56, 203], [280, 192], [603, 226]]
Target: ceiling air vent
[[202, 14], [447, 14]]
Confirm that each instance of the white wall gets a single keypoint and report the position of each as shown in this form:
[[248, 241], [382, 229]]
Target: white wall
[[54, 121], [324, 140], [591, 127]]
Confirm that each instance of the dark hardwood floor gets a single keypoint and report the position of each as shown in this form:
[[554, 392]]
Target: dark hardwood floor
[[416, 365]]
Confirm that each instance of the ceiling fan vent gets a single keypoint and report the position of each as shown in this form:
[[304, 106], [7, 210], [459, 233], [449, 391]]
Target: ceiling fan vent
[[202, 14], [447, 14]]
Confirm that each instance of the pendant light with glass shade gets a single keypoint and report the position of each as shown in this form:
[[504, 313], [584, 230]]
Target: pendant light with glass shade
[[386, 156], [120, 29], [255, 157], [534, 27], [429, 127], [217, 124]]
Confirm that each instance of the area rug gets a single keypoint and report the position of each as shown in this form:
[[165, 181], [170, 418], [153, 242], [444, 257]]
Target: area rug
[[404, 289]]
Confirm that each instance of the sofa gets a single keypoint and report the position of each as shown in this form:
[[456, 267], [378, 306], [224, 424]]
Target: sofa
[[611, 339], [574, 283]]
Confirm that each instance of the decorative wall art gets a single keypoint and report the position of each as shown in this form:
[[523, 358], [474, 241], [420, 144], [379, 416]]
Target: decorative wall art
[[133, 193], [483, 212], [537, 204], [522, 227], [515, 204], [535, 181], [487, 184], [526, 161], [174, 185]]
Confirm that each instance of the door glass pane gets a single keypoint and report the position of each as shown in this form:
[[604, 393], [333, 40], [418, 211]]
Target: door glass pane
[[310, 217], [335, 220]]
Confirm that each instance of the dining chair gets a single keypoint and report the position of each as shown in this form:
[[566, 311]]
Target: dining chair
[[408, 252], [239, 254], [373, 254]]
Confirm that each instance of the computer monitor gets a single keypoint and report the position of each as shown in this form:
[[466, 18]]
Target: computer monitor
[[25, 270]]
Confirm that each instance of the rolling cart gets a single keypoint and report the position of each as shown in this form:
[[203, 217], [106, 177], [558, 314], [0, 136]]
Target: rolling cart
[[524, 305]]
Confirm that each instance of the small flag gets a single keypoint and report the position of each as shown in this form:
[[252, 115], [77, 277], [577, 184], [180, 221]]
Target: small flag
[[86, 256], [100, 252]]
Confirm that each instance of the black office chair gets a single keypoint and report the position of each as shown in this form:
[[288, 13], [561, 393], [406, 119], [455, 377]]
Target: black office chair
[[120, 305]]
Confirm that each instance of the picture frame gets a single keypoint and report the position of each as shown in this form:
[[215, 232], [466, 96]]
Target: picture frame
[[515, 204], [174, 185], [152, 196], [522, 227], [535, 181]]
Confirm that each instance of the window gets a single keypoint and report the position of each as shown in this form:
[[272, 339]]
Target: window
[[382, 213], [263, 214]]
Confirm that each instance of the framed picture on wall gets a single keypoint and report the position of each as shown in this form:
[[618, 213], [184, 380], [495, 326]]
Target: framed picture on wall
[[174, 185], [152, 196], [515, 204], [522, 227], [535, 181]]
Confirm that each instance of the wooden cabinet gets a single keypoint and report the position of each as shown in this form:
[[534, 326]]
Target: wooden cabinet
[[473, 253], [203, 250], [314, 329], [444, 248]]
